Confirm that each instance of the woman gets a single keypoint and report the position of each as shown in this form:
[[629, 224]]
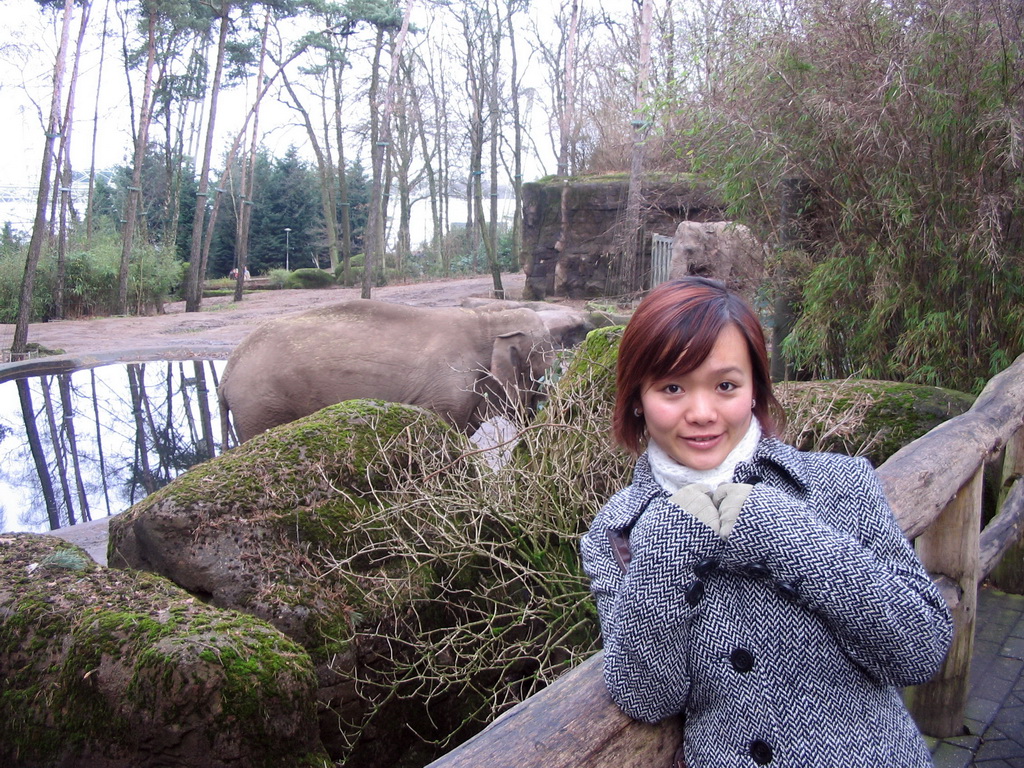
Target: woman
[[765, 593]]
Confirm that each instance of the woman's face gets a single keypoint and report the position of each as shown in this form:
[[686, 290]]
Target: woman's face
[[699, 417]]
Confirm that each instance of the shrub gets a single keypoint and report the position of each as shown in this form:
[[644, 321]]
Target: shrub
[[309, 277], [278, 278], [90, 279]]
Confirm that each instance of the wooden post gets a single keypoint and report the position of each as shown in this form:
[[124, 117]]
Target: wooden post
[[950, 548], [1009, 574]]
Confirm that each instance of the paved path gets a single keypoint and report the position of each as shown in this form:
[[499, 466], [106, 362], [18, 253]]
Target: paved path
[[995, 710]]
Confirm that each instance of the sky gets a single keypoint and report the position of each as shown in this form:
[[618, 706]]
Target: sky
[[25, 88]]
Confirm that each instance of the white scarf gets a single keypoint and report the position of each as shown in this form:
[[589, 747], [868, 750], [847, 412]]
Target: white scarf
[[671, 475]]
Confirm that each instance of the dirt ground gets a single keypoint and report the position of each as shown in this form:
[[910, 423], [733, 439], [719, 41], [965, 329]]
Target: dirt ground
[[221, 324]]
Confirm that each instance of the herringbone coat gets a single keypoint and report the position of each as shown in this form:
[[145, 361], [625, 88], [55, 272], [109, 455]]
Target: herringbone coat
[[784, 645]]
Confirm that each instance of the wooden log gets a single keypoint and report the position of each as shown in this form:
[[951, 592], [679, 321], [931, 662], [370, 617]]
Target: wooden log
[[570, 724], [950, 547], [1002, 535], [922, 478], [1007, 571]]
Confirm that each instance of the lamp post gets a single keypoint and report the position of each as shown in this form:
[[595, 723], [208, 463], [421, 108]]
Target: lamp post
[[287, 245]]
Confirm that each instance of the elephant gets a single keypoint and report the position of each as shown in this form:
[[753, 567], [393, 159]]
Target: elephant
[[463, 364], [723, 250]]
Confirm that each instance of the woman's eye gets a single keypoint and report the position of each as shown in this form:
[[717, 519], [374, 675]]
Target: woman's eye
[[673, 389], [727, 386]]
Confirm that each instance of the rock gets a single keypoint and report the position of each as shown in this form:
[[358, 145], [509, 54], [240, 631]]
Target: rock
[[578, 259], [722, 250], [865, 417], [296, 526], [105, 668]]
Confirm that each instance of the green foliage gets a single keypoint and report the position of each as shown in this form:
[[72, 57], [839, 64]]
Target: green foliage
[[90, 284], [309, 278], [286, 196], [905, 122], [459, 253], [278, 277]]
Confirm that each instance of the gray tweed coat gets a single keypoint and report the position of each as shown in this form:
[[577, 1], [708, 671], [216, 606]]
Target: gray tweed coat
[[784, 645]]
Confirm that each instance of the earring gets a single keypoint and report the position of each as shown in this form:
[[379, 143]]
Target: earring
[[753, 404], [637, 412]]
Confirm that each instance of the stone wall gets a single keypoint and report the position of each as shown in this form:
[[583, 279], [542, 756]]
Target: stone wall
[[582, 262]]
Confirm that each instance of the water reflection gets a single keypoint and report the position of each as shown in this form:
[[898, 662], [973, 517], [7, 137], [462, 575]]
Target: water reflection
[[80, 446]]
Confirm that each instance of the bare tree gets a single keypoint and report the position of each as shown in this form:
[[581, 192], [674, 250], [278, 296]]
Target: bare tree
[[632, 245], [381, 108], [150, 10], [198, 254], [19, 343], [60, 465]]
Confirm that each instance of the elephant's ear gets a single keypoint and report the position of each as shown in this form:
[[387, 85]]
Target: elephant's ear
[[510, 366]]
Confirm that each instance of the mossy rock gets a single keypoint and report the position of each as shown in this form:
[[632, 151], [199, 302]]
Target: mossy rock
[[302, 526], [865, 417], [302, 487], [309, 278], [111, 668]]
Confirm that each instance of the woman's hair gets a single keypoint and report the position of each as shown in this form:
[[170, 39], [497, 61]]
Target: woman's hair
[[671, 333]]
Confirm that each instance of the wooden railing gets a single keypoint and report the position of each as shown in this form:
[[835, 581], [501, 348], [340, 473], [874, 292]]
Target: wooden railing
[[935, 488]]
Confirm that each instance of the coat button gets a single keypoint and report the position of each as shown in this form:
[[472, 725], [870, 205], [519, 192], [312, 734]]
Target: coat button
[[705, 567], [757, 570], [788, 590], [761, 751], [742, 660], [694, 593], [754, 480]]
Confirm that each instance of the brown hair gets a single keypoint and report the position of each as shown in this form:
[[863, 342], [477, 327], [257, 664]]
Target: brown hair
[[671, 333]]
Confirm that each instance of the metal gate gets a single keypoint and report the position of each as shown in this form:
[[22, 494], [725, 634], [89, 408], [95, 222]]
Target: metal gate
[[661, 259]]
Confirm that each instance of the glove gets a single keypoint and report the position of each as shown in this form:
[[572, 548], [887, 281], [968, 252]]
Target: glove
[[729, 498], [696, 499]]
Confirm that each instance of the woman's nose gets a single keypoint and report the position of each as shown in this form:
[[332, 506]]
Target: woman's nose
[[700, 409]]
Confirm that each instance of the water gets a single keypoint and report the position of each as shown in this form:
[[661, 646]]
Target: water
[[106, 438]]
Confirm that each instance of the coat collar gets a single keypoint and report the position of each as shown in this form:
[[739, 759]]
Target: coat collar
[[770, 454]]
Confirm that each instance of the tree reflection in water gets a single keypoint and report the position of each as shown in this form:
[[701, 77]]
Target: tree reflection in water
[[82, 445]]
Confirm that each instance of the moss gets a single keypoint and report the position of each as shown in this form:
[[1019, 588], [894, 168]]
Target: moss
[[865, 416], [95, 657]]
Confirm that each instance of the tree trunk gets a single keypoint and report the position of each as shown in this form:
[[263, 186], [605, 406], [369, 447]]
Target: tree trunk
[[632, 273], [89, 207], [492, 230], [517, 147], [19, 342], [134, 200], [379, 137], [249, 172], [63, 198], [198, 254]]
